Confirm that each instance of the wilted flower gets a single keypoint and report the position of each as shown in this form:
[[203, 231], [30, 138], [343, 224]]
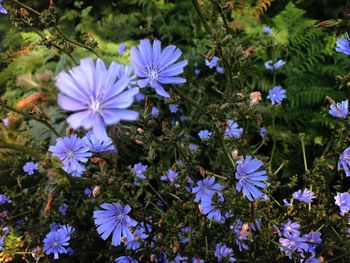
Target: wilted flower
[[30, 167], [343, 201], [2, 10], [339, 110], [6, 121], [154, 66], [269, 65], [276, 95], [193, 147], [255, 97], [343, 45], [212, 63], [96, 96], [204, 134], [114, 219], [233, 129], [72, 151], [249, 178], [267, 30], [344, 161], [304, 196]]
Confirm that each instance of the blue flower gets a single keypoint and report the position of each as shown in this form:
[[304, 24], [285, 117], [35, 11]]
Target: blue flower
[[219, 70], [206, 188], [210, 208], [63, 209], [173, 108], [96, 96], [139, 97], [4, 199], [222, 251], [241, 231], [304, 196], [313, 239], [267, 30], [343, 45], [2, 10], [263, 132], [56, 242], [72, 151], [339, 110], [125, 259], [139, 234], [293, 242], [114, 219], [99, 145], [197, 260], [2, 240], [6, 230], [197, 71], [139, 170], [154, 66], [88, 192], [30, 167], [121, 48], [269, 65], [212, 63], [344, 161], [249, 178], [276, 95], [290, 227], [204, 134], [193, 147], [170, 176], [233, 129], [343, 201], [6, 122]]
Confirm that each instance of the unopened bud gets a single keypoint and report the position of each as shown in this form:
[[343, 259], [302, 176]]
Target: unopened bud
[[96, 191], [140, 130], [255, 97], [152, 258], [176, 247], [330, 100], [139, 142], [235, 155]]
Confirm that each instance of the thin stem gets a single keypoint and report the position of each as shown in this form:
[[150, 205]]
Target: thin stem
[[259, 146], [21, 148], [280, 167], [303, 150], [273, 139], [27, 7], [201, 16], [46, 123], [222, 144]]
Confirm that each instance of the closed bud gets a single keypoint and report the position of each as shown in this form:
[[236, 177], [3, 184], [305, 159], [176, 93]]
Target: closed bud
[[235, 155], [255, 97], [96, 191], [140, 130], [176, 247], [139, 142]]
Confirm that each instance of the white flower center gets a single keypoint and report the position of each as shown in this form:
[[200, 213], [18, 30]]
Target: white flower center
[[70, 154], [55, 244], [153, 74], [95, 106], [292, 243]]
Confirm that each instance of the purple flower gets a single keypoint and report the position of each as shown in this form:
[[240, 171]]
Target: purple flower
[[344, 161], [197, 260], [2, 10], [233, 129], [96, 96], [139, 234], [121, 48], [263, 131], [339, 110], [155, 67], [304, 196], [219, 70], [287, 203], [212, 63], [293, 242], [204, 134], [30, 167], [267, 30], [72, 151], [6, 230], [63, 209], [276, 95], [99, 145], [311, 259], [343, 45], [343, 201], [4, 199], [269, 65], [154, 111], [290, 228], [6, 122], [125, 259], [173, 108], [197, 71], [209, 208], [139, 170], [2, 240], [139, 97], [56, 242], [222, 251], [241, 232], [313, 239], [170, 176], [206, 188], [114, 219], [193, 147], [249, 178], [88, 192]]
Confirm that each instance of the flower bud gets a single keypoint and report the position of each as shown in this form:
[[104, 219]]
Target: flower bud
[[96, 191], [255, 97]]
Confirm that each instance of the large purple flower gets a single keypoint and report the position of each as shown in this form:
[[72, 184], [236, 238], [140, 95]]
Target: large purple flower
[[114, 219], [96, 95], [155, 67]]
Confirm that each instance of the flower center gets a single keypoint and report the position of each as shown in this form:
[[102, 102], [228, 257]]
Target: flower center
[[292, 243], [95, 106], [153, 74], [55, 244], [70, 154]]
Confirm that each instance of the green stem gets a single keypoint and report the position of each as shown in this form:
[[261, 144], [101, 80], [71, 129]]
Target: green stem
[[21, 148], [46, 123], [259, 146], [27, 7], [201, 16], [303, 150], [273, 138]]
